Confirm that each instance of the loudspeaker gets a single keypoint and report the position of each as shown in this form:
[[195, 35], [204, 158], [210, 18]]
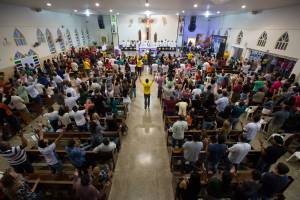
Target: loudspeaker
[[100, 22], [192, 25]]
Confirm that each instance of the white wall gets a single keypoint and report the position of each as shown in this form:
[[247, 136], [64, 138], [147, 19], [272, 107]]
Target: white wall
[[98, 33], [201, 27], [275, 22], [164, 25], [27, 21]]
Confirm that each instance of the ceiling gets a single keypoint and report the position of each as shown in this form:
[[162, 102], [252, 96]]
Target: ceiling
[[156, 6]]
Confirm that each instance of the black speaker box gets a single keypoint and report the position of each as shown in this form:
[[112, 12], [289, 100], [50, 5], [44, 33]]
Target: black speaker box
[[192, 25], [100, 22]]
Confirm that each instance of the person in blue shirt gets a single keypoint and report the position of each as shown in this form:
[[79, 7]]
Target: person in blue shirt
[[236, 112], [77, 156]]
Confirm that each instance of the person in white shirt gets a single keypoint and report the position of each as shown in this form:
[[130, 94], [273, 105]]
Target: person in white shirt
[[67, 76], [246, 68], [33, 93], [70, 101], [192, 149], [238, 152], [48, 151], [251, 129], [74, 66], [18, 103], [71, 90], [106, 146], [79, 117], [78, 81], [95, 85], [52, 116], [222, 102], [59, 82], [178, 129], [196, 92], [182, 105], [64, 120]]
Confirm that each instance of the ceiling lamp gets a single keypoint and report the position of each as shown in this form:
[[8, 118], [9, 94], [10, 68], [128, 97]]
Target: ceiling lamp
[[75, 10], [195, 5], [177, 14], [87, 13], [118, 13], [111, 10], [183, 11], [97, 4], [147, 13], [243, 6], [147, 4], [207, 14], [218, 12], [48, 4]]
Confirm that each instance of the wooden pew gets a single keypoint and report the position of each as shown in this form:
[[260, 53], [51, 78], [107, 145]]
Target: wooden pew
[[36, 157], [80, 135]]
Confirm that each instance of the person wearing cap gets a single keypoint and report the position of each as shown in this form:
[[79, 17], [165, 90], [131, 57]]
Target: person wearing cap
[[274, 182], [270, 154]]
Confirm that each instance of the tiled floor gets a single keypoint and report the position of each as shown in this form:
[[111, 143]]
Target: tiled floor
[[142, 171]]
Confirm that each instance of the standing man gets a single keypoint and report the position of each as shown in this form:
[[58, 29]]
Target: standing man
[[147, 90]]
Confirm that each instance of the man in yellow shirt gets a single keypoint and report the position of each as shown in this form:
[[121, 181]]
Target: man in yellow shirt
[[147, 91], [190, 56], [139, 65], [86, 66]]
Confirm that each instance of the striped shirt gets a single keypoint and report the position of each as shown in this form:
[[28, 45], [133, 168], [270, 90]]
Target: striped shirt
[[15, 156]]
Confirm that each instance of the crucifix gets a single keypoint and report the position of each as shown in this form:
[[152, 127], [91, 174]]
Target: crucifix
[[148, 21]]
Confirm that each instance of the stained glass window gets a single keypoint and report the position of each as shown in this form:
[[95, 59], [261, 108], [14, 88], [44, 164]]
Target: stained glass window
[[69, 38], [40, 36], [50, 41], [77, 38], [61, 40], [19, 38], [282, 42], [262, 40]]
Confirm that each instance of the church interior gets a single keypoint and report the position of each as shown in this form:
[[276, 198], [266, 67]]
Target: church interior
[[149, 99]]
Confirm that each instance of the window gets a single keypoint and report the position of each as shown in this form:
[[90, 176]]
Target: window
[[239, 37], [50, 41], [226, 33], [60, 40], [77, 38], [69, 38], [31, 53], [19, 38], [83, 37], [87, 35], [40, 36], [282, 42], [18, 56], [262, 40]]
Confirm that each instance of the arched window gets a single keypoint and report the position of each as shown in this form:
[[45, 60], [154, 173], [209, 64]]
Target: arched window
[[282, 42], [226, 33], [239, 37], [262, 40], [83, 37], [50, 41], [40, 36], [88, 35], [61, 41], [77, 38], [69, 38], [18, 56], [19, 38], [31, 52]]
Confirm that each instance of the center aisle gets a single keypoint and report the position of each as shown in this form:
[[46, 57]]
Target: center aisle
[[142, 171]]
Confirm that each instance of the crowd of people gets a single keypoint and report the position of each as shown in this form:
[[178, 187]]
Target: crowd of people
[[87, 86]]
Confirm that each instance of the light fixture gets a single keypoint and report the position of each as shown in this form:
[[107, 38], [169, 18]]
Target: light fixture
[[87, 13], [147, 13], [182, 11], [177, 14], [243, 6], [118, 13], [206, 14], [147, 4], [75, 10], [97, 4], [48, 4], [195, 5], [111, 10], [218, 12]]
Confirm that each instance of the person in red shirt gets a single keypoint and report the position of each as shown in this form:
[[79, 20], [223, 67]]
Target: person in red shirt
[[276, 85], [237, 89], [170, 106]]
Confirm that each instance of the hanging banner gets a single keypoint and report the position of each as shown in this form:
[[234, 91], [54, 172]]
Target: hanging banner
[[114, 26]]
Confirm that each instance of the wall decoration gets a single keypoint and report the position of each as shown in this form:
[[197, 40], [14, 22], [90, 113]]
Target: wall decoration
[[33, 59], [40, 36], [77, 37], [50, 41], [180, 25], [60, 40], [69, 38], [282, 42], [262, 40], [19, 38], [114, 26]]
